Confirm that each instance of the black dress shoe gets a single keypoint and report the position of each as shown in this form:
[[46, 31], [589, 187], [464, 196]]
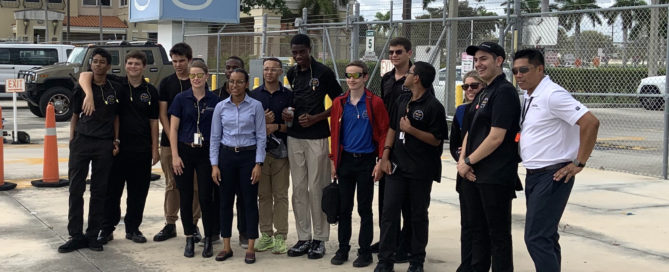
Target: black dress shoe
[[363, 260], [222, 256], [208, 250], [300, 248], [169, 231], [415, 268], [94, 245], [381, 267], [105, 237], [136, 236], [73, 244], [189, 251], [317, 250]]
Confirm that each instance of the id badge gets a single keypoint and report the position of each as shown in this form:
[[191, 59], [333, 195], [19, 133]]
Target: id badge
[[197, 139]]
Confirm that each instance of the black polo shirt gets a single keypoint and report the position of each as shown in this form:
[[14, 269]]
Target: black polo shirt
[[169, 88], [100, 124], [391, 89], [497, 105], [135, 114], [416, 159], [275, 102], [222, 92], [309, 90]]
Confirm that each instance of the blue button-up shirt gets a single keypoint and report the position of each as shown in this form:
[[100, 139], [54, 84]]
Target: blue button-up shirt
[[238, 126], [186, 107]]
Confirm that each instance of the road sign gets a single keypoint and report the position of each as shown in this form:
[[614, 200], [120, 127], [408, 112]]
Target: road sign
[[386, 66], [15, 85], [467, 62], [369, 47]]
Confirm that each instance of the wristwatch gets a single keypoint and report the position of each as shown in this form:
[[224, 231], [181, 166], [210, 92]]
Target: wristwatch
[[467, 162], [117, 141], [259, 164], [578, 163]]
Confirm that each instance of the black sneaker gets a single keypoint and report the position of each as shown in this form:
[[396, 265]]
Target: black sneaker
[[169, 231], [414, 267], [94, 245], [73, 244], [197, 237], [302, 247], [105, 236], [340, 257], [317, 249], [136, 236], [363, 260]]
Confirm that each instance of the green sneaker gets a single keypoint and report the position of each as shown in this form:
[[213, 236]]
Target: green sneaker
[[279, 244], [264, 243]]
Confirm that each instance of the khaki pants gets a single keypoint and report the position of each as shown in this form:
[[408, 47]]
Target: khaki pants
[[172, 193], [273, 196], [310, 171]]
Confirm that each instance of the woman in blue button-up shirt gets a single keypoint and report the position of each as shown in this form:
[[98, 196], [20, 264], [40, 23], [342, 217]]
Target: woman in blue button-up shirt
[[190, 125], [236, 153]]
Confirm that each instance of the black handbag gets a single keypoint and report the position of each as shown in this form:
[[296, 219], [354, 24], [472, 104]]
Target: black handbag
[[330, 202]]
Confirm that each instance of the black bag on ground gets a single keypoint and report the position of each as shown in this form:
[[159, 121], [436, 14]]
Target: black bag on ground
[[330, 202]]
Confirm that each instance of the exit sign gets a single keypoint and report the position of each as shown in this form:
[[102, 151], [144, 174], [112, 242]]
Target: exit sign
[[15, 85]]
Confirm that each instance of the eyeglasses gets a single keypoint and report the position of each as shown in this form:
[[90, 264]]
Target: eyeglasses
[[522, 70], [238, 82], [396, 52], [411, 73], [198, 75], [474, 86], [354, 75]]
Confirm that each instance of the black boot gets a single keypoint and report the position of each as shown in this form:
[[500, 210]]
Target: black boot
[[208, 250], [189, 251]]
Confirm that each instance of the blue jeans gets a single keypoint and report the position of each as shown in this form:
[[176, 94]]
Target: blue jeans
[[546, 201]]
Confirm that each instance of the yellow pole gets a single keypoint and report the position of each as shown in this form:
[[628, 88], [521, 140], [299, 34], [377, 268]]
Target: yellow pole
[[459, 95], [213, 82], [256, 82], [286, 83], [148, 80], [328, 104]]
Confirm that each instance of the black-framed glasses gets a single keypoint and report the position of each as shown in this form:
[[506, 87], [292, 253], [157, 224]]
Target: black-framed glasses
[[396, 52], [354, 75], [474, 86], [522, 70], [198, 75]]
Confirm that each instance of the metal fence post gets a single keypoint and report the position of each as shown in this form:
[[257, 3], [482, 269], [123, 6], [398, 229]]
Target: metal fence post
[[263, 45], [355, 32], [303, 28], [334, 62], [665, 140]]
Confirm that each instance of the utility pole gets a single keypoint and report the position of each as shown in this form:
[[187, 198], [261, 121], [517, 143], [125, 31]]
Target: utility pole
[[46, 22], [100, 19]]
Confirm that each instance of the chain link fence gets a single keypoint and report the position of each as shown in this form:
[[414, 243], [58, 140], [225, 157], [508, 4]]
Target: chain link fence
[[607, 58]]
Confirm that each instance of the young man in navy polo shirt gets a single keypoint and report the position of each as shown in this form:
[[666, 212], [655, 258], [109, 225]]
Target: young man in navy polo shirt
[[412, 160], [359, 123]]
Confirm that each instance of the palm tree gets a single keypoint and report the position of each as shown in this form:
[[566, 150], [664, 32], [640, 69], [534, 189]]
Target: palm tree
[[573, 21], [528, 6], [627, 18], [382, 28]]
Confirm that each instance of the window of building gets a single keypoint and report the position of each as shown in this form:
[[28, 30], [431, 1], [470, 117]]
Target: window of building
[[124, 3], [55, 1], [32, 1], [105, 3]]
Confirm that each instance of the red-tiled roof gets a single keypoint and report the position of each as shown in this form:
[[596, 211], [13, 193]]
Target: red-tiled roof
[[94, 21]]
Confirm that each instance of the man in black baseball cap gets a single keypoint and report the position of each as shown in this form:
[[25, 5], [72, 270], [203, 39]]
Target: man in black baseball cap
[[489, 159]]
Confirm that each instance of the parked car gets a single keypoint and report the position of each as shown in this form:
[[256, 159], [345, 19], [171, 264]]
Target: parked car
[[15, 57], [652, 85], [54, 83]]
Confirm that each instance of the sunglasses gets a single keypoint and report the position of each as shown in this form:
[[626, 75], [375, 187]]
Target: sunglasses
[[354, 75], [522, 70], [396, 52], [198, 75], [474, 86]]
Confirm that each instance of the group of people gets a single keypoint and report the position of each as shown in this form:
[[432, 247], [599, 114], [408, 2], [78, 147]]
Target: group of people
[[218, 145]]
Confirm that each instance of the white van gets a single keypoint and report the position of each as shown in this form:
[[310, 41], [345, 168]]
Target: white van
[[16, 57]]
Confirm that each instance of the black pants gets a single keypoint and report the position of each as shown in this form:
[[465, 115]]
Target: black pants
[[403, 230], [236, 168], [546, 201], [398, 190], [83, 151], [352, 171], [465, 230], [490, 219], [135, 169], [196, 161]]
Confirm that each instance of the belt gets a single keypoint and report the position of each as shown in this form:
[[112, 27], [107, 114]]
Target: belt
[[359, 155], [547, 168], [238, 149]]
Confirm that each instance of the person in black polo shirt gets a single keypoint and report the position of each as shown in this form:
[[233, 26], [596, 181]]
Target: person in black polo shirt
[[274, 181], [93, 138], [489, 161], [138, 133], [412, 160], [169, 87], [308, 133]]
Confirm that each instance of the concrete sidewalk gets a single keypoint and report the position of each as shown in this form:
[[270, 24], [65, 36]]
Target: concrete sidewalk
[[613, 222]]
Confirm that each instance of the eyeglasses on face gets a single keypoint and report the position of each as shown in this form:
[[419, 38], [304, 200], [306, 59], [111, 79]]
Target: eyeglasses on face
[[522, 70], [195, 75], [354, 75], [474, 86], [236, 82], [396, 52]]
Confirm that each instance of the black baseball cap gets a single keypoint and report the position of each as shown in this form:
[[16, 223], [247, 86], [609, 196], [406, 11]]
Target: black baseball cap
[[489, 47]]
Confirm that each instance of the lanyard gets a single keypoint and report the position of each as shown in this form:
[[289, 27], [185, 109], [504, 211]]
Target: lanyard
[[526, 108], [197, 123]]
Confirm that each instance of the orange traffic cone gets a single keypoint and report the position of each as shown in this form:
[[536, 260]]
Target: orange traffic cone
[[4, 186], [50, 177]]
